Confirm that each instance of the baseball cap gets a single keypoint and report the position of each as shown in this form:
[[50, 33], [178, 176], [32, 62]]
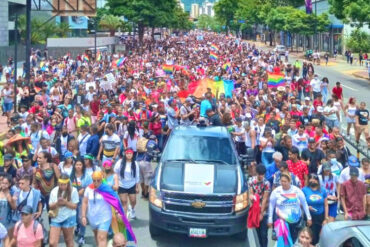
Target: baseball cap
[[326, 166], [27, 210], [311, 140], [68, 155], [8, 157], [190, 100], [353, 161], [27, 157], [320, 109], [307, 98], [353, 171]]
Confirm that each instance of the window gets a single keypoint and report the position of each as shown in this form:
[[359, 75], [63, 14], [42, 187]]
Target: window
[[352, 242]]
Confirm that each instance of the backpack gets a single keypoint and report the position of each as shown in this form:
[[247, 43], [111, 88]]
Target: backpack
[[141, 144]]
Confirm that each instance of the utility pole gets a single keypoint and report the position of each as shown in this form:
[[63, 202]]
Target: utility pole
[[15, 60], [28, 41], [96, 29], [316, 38]]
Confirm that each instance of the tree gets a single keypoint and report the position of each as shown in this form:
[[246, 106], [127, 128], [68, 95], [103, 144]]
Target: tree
[[206, 22], [111, 22], [225, 11], [359, 41], [63, 29], [357, 11], [181, 20]]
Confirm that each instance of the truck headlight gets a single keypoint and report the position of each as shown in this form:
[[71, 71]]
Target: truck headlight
[[154, 198], [240, 201]]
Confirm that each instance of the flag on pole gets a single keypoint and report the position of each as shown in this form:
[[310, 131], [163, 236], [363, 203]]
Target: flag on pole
[[275, 80], [98, 56], [85, 58], [226, 66], [167, 68], [214, 47]]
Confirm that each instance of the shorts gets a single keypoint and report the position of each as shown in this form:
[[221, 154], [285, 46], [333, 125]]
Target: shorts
[[333, 210], [104, 226], [146, 171], [67, 223], [351, 120], [129, 191], [363, 128], [7, 107]]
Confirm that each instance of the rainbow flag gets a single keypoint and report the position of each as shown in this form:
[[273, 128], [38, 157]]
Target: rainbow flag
[[199, 88], [119, 224], [226, 66], [213, 55], [214, 47], [275, 80], [167, 68], [98, 56], [85, 58], [120, 61]]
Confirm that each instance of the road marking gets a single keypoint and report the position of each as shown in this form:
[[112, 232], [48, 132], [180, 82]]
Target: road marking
[[349, 87]]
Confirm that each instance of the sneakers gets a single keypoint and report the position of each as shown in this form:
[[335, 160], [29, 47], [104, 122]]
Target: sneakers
[[81, 241], [132, 214]]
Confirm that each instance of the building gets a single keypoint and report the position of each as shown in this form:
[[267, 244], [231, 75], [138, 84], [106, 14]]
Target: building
[[8, 10], [188, 3], [194, 12], [207, 9]]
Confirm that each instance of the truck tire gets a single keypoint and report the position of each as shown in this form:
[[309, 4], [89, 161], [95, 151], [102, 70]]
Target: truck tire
[[242, 236], [154, 231]]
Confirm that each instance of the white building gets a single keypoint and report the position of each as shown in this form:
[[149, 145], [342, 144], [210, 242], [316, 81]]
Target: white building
[[207, 9], [194, 12]]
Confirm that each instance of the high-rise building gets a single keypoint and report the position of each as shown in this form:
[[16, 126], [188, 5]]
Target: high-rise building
[[194, 12], [207, 8], [8, 10]]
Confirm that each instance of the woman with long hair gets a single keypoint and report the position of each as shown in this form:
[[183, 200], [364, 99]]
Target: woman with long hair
[[318, 204], [329, 181], [80, 180], [7, 204], [63, 204], [304, 238], [66, 166], [90, 166], [127, 181], [288, 209], [46, 176], [108, 173], [131, 137], [350, 113]]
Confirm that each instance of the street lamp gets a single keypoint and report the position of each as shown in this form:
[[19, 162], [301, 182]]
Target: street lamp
[[15, 60]]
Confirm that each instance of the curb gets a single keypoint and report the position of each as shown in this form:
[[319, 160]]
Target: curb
[[361, 76]]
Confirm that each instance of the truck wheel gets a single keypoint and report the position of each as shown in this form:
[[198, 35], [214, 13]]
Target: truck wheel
[[242, 236], [154, 231]]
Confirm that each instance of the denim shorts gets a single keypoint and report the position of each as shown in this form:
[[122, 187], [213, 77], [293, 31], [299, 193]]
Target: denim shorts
[[7, 107], [67, 223], [102, 226]]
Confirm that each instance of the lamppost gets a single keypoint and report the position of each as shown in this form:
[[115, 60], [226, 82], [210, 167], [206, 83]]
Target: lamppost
[[15, 60], [28, 41], [316, 38]]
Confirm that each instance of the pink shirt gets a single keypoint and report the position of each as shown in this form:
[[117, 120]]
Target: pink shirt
[[26, 236]]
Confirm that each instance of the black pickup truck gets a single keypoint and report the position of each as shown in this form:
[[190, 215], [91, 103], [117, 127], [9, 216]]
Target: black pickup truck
[[199, 188]]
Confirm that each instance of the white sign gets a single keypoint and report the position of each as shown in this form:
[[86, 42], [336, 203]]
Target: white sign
[[90, 84], [110, 78], [199, 178]]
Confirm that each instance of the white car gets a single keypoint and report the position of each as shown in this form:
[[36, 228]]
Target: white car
[[346, 233], [280, 49]]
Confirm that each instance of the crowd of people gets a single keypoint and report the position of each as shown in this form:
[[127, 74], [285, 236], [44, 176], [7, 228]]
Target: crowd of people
[[88, 122]]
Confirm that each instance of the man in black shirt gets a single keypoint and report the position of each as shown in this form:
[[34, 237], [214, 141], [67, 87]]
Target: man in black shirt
[[362, 120], [214, 118], [285, 146], [8, 167], [312, 156]]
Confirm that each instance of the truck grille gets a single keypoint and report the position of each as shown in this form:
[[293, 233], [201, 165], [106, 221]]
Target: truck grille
[[205, 210], [192, 197], [182, 202]]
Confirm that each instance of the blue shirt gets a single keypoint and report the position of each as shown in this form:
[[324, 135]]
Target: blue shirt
[[204, 106], [270, 171], [92, 146], [315, 199]]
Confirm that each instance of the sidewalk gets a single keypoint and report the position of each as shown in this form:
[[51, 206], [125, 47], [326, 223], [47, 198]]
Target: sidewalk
[[338, 64]]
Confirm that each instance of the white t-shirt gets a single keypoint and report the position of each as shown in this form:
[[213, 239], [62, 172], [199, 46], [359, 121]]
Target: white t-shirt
[[316, 85], [66, 170], [332, 116], [240, 129], [129, 180], [64, 212], [344, 175], [98, 210]]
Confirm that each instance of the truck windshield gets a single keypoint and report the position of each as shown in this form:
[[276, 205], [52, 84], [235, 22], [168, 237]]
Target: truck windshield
[[201, 148]]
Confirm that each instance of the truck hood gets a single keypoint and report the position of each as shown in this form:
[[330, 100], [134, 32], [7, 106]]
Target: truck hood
[[199, 178]]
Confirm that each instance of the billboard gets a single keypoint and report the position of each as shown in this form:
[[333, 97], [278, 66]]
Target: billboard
[[73, 7]]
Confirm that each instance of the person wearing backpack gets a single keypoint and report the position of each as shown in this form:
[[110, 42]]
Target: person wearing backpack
[[27, 231]]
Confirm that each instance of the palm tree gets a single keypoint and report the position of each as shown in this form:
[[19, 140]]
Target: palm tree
[[110, 22], [63, 29]]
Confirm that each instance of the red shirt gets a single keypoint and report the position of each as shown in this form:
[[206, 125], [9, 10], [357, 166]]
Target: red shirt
[[317, 103], [299, 169], [354, 195], [338, 92], [94, 105]]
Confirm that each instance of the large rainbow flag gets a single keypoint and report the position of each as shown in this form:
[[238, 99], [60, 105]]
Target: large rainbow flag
[[214, 47], [119, 224], [98, 56], [85, 58], [199, 88], [275, 80]]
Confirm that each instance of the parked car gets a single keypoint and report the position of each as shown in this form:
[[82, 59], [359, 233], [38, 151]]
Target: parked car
[[280, 49], [345, 234], [199, 188]]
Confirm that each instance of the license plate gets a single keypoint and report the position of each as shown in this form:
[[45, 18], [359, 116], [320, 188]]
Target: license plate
[[197, 233]]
